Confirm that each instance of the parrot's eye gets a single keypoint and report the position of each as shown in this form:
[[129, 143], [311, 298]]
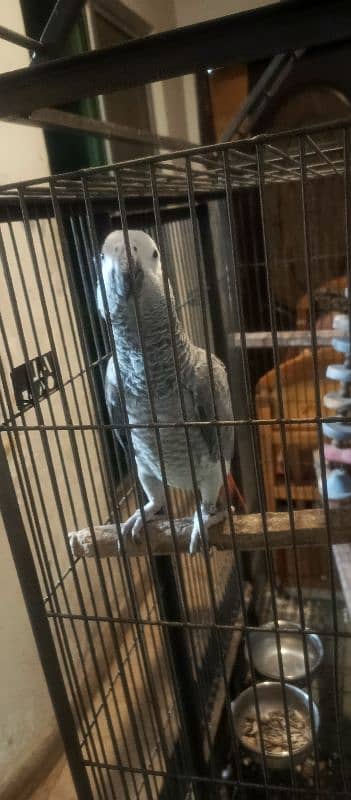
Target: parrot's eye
[[102, 256], [135, 249], [155, 254]]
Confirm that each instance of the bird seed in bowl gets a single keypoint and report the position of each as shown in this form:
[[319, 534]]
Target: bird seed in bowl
[[274, 732]]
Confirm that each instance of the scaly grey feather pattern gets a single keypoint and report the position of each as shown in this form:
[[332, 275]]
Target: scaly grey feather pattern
[[144, 276]]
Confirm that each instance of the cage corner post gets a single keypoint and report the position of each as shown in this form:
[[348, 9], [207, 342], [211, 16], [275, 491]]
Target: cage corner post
[[170, 608], [30, 587]]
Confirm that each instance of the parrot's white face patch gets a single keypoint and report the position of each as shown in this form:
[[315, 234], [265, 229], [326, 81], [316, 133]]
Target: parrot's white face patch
[[120, 273]]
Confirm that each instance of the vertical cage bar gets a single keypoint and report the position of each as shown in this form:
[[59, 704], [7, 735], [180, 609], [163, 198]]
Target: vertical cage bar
[[211, 282]]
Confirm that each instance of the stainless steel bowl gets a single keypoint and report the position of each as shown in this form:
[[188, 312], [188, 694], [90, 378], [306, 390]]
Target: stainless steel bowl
[[270, 698], [265, 653]]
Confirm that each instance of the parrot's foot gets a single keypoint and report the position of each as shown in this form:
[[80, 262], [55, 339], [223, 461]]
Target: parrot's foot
[[134, 525], [210, 516]]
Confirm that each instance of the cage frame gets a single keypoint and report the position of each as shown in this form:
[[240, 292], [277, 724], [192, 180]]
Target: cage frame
[[335, 521]]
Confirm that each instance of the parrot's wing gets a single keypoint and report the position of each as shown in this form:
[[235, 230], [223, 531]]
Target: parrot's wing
[[197, 381], [114, 404]]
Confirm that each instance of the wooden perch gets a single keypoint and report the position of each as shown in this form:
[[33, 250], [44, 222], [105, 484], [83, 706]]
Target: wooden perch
[[310, 529]]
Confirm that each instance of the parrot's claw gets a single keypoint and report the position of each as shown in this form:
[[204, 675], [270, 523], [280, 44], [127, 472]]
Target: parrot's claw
[[209, 518], [135, 524]]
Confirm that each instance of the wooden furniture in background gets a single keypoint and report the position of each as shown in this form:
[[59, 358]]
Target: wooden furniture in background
[[299, 403], [228, 90], [303, 310]]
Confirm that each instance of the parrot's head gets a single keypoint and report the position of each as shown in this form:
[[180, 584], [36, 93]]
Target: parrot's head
[[125, 277]]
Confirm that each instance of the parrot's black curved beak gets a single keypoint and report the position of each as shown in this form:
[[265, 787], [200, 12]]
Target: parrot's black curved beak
[[133, 282]]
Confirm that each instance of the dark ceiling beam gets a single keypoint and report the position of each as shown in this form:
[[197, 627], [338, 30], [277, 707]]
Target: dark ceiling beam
[[250, 36]]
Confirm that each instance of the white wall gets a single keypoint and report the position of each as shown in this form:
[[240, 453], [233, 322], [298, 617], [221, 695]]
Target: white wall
[[168, 96], [22, 149]]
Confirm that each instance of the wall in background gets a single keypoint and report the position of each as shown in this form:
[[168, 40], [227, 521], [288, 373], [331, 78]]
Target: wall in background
[[22, 149], [188, 12], [167, 97]]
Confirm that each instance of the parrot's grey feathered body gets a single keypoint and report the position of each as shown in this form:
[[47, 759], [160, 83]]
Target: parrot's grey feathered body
[[147, 284]]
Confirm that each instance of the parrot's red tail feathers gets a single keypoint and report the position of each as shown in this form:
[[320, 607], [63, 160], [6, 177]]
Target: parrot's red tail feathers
[[235, 496]]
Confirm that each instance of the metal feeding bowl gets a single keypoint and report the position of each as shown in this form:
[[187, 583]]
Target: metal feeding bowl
[[270, 701], [264, 650]]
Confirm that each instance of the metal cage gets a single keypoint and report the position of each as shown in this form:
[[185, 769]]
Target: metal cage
[[144, 649]]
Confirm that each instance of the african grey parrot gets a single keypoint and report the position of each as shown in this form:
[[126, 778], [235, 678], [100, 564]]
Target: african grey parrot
[[147, 284]]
